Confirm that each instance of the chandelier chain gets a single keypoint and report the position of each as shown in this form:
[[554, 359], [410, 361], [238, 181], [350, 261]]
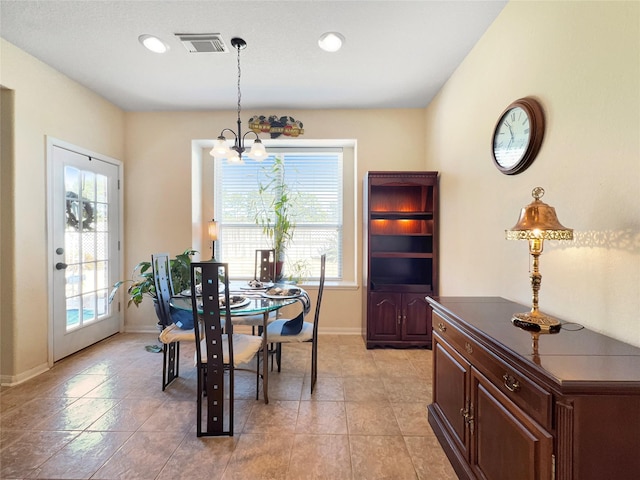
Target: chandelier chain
[[239, 74], [234, 154]]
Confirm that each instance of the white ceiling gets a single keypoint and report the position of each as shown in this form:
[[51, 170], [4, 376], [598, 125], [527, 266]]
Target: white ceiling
[[397, 53]]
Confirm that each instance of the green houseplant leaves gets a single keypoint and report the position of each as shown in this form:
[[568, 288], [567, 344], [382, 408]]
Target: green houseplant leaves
[[142, 284], [274, 208]]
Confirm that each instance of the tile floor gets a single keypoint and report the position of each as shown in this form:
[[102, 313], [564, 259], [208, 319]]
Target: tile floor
[[101, 414]]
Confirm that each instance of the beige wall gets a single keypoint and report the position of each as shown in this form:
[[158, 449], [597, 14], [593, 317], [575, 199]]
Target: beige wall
[[159, 159], [582, 61], [45, 103]]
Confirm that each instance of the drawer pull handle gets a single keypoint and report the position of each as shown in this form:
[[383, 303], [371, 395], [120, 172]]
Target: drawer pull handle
[[468, 348], [511, 383], [442, 327]]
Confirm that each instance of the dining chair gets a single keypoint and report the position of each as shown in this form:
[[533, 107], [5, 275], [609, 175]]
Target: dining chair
[[219, 350], [264, 271], [308, 332], [265, 266], [170, 334]]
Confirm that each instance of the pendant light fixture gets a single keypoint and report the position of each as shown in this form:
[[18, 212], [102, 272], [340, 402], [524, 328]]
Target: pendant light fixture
[[234, 154]]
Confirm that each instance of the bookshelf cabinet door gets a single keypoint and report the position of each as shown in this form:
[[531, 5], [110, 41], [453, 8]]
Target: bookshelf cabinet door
[[385, 310]]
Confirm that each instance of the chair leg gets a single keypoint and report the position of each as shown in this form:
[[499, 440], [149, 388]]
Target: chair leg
[[201, 391], [278, 355], [258, 374], [177, 358], [314, 364], [272, 354], [170, 363], [164, 367], [231, 398]]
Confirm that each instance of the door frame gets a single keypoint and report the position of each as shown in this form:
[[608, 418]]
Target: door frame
[[50, 254]]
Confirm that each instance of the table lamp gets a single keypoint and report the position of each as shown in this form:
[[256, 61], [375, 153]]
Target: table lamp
[[538, 222], [213, 236]]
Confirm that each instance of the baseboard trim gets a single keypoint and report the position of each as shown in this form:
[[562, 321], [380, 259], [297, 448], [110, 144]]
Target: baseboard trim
[[339, 331], [153, 329], [13, 380]]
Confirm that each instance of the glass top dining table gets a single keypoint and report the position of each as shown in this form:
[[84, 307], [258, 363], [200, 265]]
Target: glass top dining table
[[255, 303]]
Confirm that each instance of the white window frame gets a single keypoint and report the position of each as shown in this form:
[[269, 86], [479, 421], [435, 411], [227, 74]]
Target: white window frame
[[346, 275]]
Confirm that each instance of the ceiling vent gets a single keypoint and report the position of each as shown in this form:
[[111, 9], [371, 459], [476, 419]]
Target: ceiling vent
[[202, 42]]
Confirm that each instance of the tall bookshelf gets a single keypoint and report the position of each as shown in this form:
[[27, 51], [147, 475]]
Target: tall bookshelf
[[401, 257]]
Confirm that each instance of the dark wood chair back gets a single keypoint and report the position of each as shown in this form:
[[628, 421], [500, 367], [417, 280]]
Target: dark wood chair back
[[265, 266], [164, 287], [161, 267], [211, 378]]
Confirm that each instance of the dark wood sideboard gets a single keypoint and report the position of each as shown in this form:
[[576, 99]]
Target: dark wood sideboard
[[501, 412]]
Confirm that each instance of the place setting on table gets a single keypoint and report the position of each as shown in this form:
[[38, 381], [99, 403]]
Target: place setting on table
[[268, 290], [272, 291], [250, 298]]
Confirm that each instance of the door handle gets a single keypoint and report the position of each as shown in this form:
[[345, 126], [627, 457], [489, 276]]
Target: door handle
[[61, 266]]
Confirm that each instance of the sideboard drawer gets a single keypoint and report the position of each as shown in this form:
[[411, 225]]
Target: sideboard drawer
[[524, 393], [452, 334]]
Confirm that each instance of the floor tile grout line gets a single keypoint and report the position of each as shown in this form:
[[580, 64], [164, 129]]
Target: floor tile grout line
[[92, 365]]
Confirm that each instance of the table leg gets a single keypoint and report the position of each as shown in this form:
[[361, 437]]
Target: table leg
[[265, 358]]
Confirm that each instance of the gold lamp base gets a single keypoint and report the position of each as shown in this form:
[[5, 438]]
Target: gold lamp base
[[536, 322]]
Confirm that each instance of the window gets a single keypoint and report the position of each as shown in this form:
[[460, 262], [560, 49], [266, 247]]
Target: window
[[315, 178]]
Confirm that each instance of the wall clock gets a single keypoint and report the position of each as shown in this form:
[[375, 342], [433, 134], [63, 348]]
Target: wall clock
[[517, 136]]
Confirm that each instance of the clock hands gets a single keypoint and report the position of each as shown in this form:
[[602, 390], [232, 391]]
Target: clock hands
[[510, 133]]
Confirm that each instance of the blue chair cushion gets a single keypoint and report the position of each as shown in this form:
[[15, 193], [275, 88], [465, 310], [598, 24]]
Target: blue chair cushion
[[182, 318]]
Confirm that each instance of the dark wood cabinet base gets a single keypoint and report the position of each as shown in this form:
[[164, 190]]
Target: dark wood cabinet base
[[501, 411], [458, 462], [401, 344]]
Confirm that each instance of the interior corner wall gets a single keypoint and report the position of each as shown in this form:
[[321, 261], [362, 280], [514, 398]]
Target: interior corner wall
[[45, 103], [582, 61], [7, 222]]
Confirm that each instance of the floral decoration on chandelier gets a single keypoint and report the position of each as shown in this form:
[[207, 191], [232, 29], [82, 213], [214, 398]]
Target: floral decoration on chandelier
[[276, 126]]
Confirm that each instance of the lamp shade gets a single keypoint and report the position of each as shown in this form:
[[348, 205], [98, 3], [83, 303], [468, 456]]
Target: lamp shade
[[257, 152], [220, 148], [538, 221], [234, 157], [213, 230]]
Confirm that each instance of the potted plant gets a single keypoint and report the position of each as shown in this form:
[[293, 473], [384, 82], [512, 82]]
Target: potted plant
[[274, 211], [142, 283]]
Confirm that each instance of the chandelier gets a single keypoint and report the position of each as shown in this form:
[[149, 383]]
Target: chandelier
[[234, 154]]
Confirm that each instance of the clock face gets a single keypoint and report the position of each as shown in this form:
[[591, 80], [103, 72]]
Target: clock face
[[517, 136], [511, 139]]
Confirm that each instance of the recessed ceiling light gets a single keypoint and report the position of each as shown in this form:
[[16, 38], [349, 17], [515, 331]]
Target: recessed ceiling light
[[331, 41], [153, 43]]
